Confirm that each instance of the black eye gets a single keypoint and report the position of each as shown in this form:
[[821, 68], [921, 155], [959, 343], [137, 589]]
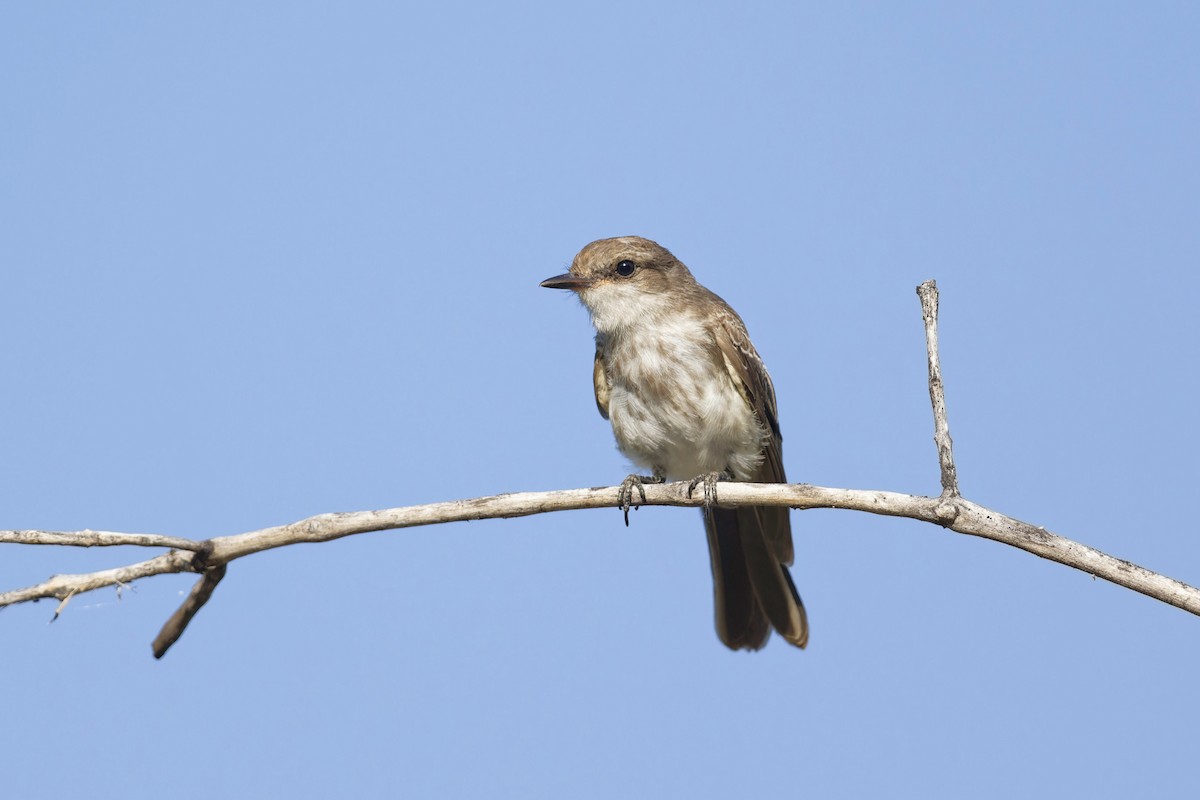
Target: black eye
[[626, 268]]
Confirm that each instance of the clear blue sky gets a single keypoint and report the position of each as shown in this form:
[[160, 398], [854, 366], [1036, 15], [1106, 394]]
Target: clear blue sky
[[267, 260]]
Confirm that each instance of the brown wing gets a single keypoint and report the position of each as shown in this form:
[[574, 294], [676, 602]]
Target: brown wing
[[764, 533], [600, 379], [750, 377]]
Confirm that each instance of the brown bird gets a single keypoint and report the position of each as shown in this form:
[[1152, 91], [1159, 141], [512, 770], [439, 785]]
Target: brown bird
[[689, 399]]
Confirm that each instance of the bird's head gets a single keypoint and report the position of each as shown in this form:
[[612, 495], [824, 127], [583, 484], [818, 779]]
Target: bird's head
[[625, 280]]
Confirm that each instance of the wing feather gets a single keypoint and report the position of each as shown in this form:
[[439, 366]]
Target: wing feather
[[600, 379], [749, 375]]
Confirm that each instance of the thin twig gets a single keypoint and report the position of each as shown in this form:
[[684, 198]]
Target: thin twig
[[58, 611], [928, 293], [60, 586], [96, 539], [175, 626]]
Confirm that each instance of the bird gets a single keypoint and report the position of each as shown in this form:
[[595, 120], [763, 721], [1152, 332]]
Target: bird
[[689, 398]]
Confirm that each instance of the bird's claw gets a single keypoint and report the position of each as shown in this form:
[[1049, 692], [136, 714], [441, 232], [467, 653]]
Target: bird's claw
[[625, 493], [709, 479]]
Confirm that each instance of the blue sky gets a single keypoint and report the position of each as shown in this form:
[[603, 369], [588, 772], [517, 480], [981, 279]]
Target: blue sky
[[263, 261]]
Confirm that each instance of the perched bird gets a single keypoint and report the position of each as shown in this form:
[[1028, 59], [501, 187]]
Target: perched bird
[[689, 399]]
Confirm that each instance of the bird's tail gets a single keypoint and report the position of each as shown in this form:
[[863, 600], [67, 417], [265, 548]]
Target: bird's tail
[[752, 589]]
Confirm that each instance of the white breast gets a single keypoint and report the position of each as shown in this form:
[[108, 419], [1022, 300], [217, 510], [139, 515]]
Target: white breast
[[674, 407]]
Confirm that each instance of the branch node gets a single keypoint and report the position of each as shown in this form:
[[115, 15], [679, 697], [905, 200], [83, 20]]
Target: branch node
[[946, 511], [201, 555]]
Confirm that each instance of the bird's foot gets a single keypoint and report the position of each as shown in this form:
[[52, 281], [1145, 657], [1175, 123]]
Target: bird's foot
[[709, 479], [625, 493]]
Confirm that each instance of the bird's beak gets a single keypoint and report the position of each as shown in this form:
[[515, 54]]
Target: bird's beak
[[567, 280]]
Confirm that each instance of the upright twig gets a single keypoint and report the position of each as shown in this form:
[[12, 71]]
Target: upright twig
[[928, 293]]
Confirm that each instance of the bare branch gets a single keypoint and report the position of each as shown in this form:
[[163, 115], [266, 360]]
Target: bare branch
[[96, 539], [62, 586], [955, 513], [928, 293], [950, 510]]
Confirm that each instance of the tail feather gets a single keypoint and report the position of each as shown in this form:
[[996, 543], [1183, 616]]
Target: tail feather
[[741, 622], [771, 580], [752, 589]]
